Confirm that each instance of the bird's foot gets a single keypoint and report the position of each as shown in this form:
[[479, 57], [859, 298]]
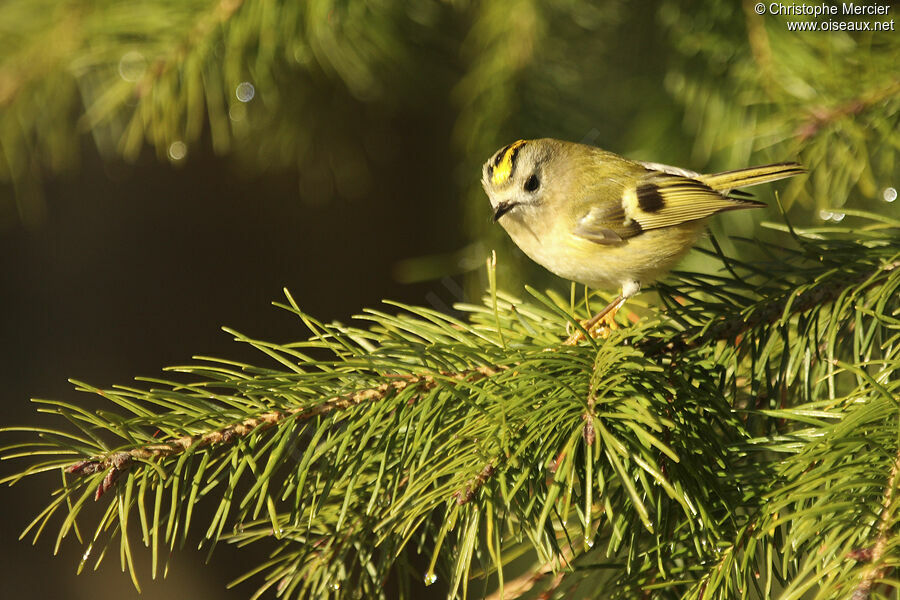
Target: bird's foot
[[600, 325]]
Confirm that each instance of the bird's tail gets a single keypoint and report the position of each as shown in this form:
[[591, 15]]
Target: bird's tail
[[729, 180]]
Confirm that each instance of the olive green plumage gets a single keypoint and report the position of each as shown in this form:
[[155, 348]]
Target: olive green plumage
[[605, 221]]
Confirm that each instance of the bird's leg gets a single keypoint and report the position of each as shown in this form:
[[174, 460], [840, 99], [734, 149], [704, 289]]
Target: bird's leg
[[604, 321], [600, 324]]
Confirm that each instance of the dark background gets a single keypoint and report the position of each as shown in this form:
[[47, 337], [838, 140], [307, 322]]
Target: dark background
[[136, 267]]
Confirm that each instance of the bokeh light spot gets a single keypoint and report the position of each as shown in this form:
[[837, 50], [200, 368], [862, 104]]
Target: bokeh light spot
[[177, 150], [132, 65], [245, 91]]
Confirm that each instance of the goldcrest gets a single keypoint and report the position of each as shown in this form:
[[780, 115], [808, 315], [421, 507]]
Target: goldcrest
[[606, 221]]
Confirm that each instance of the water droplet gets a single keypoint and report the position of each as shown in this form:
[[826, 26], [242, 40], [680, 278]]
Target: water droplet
[[890, 194], [430, 578], [132, 65], [335, 586], [588, 542], [177, 150], [838, 217], [245, 91], [87, 553], [825, 214]]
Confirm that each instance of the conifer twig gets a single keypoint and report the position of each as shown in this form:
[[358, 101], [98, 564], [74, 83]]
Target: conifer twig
[[524, 583], [119, 462], [729, 327], [207, 23], [875, 570], [467, 494], [821, 116]]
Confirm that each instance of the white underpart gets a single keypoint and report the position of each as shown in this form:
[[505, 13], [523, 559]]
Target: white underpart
[[630, 288]]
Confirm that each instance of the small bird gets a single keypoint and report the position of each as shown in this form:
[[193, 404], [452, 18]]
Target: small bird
[[606, 221]]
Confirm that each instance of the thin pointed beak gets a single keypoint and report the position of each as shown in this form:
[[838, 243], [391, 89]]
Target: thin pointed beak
[[502, 209]]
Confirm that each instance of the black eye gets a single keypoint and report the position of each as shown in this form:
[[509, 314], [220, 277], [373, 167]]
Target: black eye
[[532, 183]]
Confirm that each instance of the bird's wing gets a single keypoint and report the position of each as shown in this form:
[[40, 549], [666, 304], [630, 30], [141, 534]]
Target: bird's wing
[[658, 199], [606, 225], [661, 199], [652, 166]]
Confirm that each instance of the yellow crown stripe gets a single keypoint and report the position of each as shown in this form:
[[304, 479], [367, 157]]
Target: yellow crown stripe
[[503, 169]]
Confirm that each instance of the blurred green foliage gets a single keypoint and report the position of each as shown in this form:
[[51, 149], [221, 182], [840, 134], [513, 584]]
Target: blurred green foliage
[[315, 86]]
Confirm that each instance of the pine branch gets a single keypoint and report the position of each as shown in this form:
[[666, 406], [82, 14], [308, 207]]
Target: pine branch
[[204, 26], [821, 117], [730, 326], [678, 457], [885, 522], [119, 462]]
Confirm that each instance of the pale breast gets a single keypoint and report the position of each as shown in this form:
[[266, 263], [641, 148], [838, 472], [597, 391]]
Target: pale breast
[[642, 258]]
